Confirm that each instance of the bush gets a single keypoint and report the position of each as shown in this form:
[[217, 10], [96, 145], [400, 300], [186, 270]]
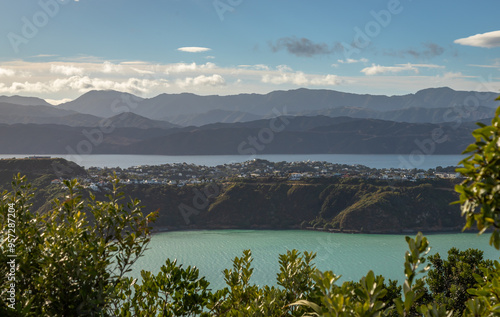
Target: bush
[[70, 260]]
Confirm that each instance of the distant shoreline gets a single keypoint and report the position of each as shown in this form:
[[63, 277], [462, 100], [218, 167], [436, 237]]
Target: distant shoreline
[[401, 233]]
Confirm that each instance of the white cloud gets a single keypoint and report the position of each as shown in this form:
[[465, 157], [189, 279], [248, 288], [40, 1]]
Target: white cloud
[[352, 61], [183, 67], [202, 80], [7, 72], [135, 63], [284, 68], [56, 102], [108, 67], [83, 84], [66, 70], [449, 75], [328, 80], [496, 64], [298, 78], [142, 71], [255, 67], [301, 79], [488, 40], [377, 69], [149, 80], [44, 55], [194, 49]]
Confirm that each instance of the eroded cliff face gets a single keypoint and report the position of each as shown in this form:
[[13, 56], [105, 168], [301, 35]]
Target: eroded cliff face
[[352, 206]]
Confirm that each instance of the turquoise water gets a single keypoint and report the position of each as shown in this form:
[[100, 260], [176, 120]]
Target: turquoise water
[[349, 255]]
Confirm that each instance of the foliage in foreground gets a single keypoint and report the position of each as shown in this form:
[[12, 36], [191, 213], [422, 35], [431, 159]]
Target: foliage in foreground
[[73, 261]]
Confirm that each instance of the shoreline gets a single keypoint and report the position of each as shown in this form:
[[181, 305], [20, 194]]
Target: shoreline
[[389, 232]]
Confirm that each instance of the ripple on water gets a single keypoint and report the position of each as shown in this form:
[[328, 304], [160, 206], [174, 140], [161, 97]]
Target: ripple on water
[[349, 255]]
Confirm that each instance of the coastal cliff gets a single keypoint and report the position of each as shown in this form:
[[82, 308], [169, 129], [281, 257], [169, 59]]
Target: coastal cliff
[[339, 206]]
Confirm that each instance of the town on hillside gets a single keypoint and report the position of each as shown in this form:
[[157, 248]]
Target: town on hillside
[[182, 174]]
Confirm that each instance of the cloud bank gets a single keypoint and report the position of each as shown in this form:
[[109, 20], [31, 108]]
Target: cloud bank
[[194, 49], [487, 40]]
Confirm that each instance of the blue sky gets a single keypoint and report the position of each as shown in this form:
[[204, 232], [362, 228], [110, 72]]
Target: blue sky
[[60, 49]]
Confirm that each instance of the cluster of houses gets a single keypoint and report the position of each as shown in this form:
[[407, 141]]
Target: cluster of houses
[[181, 174]]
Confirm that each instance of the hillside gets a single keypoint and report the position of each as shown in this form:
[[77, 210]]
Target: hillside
[[350, 205], [40, 173], [296, 135]]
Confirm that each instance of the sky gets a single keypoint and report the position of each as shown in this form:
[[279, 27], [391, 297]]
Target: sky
[[59, 49]]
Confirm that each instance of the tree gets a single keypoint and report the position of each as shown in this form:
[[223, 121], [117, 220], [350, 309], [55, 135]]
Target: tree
[[71, 260], [480, 204], [480, 191], [448, 280]]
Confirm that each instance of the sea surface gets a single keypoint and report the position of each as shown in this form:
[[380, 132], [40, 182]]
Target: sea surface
[[374, 161], [349, 255]]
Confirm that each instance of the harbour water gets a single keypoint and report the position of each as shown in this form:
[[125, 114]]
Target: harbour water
[[349, 255]]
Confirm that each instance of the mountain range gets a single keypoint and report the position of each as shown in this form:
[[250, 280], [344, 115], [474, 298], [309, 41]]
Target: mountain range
[[433, 105], [285, 122]]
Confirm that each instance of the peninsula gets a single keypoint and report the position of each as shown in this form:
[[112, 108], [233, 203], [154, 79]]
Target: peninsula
[[259, 194]]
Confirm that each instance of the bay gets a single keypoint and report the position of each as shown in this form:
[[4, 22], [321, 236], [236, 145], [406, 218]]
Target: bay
[[349, 255], [374, 161]]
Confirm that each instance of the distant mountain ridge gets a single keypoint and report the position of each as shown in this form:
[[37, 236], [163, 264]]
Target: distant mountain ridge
[[16, 114], [433, 105], [25, 101], [190, 109]]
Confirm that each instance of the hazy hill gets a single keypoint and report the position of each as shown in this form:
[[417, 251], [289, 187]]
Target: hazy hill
[[104, 103], [25, 101], [414, 115], [292, 135], [13, 110], [14, 114], [212, 116], [132, 120], [344, 135], [109, 103]]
